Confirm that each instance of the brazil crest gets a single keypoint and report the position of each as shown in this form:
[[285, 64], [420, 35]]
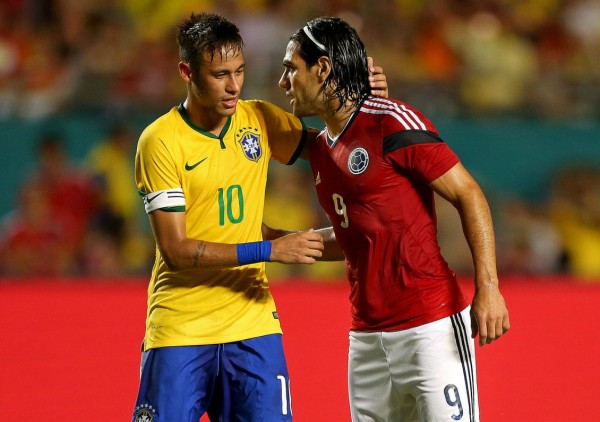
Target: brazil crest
[[249, 140]]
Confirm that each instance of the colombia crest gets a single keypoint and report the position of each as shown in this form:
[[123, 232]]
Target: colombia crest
[[249, 140]]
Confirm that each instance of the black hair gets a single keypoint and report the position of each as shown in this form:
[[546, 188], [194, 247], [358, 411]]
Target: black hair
[[207, 33], [349, 78]]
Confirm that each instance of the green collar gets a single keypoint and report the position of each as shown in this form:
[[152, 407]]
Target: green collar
[[184, 115]]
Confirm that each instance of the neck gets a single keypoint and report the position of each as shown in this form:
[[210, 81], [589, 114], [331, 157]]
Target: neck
[[336, 120], [206, 119]]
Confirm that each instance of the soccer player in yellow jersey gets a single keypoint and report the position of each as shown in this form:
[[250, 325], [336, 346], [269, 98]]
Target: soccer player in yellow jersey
[[213, 339]]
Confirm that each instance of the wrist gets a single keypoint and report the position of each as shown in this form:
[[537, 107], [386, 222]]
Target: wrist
[[253, 252]]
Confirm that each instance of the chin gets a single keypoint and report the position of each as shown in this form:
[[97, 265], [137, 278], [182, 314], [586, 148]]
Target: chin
[[226, 112]]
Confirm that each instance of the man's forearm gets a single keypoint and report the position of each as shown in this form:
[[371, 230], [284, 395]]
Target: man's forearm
[[479, 232]]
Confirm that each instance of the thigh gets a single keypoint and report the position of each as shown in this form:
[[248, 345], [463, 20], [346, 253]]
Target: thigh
[[443, 376], [176, 383], [369, 385], [255, 382]]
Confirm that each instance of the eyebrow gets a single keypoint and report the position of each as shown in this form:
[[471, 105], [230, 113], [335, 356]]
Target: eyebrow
[[225, 70]]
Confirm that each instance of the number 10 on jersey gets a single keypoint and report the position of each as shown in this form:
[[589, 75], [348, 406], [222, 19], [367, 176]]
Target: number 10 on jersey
[[231, 200]]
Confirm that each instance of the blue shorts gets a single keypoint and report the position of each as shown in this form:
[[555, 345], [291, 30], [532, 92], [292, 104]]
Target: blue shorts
[[244, 381]]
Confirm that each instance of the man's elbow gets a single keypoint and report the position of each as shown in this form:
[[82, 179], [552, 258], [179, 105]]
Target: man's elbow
[[171, 259]]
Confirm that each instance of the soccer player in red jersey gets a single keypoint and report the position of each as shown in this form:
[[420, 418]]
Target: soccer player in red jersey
[[376, 166]]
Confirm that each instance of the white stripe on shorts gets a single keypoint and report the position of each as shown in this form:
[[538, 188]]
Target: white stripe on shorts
[[461, 337]]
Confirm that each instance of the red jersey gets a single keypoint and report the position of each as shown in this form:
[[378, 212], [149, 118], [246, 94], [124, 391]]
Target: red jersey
[[373, 183]]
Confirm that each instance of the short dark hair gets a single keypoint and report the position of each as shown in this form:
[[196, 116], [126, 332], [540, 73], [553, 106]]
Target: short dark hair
[[207, 33], [350, 74]]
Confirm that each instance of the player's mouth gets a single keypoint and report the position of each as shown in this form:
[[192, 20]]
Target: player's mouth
[[230, 103]]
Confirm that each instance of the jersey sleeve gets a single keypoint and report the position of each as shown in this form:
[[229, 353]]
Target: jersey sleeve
[[286, 133], [156, 175], [420, 153]]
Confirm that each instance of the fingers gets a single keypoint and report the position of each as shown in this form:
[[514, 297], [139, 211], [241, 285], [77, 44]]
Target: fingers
[[308, 254], [313, 248], [378, 83], [311, 240], [378, 92], [490, 329], [474, 325], [483, 335], [505, 324], [489, 315], [298, 248], [310, 235], [373, 70], [376, 73]]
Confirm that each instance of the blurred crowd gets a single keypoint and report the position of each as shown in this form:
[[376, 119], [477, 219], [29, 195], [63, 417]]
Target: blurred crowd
[[477, 57], [534, 58], [86, 219], [78, 219]]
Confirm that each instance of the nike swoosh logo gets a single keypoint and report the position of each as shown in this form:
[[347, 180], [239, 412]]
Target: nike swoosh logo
[[148, 199], [192, 167]]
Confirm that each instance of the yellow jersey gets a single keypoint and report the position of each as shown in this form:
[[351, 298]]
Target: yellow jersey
[[219, 182]]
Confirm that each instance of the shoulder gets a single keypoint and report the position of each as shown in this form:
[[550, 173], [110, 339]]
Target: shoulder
[[261, 107], [396, 116], [271, 118], [258, 104], [160, 129]]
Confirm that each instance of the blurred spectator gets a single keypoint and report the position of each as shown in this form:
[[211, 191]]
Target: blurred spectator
[[106, 52], [69, 190], [150, 87], [52, 214], [13, 48], [115, 244], [448, 56], [575, 210], [110, 163], [499, 66], [528, 242], [31, 241], [48, 76], [265, 31]]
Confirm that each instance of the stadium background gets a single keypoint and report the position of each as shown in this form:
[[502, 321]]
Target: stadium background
[[513, 86]]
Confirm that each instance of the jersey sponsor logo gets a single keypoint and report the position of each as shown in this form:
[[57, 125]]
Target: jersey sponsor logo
[[193, 166], [358, 161], [144, 413], [250, 142]]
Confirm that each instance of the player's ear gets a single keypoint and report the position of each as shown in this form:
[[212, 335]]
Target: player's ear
[[185, 71], [324, 64]]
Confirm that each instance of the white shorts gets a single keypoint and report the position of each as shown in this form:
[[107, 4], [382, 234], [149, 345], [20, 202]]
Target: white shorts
[[425, 373]]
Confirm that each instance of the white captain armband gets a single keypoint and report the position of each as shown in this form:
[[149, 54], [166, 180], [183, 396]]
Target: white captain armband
[[168, 198]]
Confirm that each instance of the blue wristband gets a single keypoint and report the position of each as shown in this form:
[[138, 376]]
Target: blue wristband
[[252, 252]]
